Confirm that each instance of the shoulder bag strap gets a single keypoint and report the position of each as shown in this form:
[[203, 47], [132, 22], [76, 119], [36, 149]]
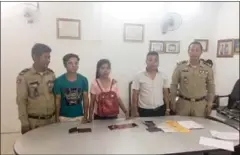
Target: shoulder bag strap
[[99, 85]]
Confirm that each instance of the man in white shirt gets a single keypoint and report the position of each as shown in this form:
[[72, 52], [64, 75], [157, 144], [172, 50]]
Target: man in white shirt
[[150, 87]]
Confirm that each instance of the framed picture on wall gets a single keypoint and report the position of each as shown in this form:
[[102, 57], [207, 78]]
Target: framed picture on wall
[[225, 48], [204, 43], [236, 46], [157, 46], [133, 32], [172, 47], [68, 28]]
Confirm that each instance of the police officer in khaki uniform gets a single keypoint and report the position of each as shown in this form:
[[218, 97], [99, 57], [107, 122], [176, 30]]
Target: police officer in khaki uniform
[[193, 83], [35, 99]]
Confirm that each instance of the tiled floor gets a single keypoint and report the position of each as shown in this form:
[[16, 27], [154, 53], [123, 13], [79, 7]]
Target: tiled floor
[[7, 141]]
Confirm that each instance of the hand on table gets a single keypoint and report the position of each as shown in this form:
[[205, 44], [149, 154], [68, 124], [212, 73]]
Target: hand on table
[[208, 109], [25, 129], [135, 114], [167, 112], [90, 119], [127, 115], [84, 120], [173, 107], [58, 120]]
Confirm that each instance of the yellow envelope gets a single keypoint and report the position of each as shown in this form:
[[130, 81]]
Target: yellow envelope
[[177, 126]]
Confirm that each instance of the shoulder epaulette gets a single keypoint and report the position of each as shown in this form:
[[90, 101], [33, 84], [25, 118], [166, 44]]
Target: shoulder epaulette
[[49, 70], [182, 62], [24, 71], [205, 63]]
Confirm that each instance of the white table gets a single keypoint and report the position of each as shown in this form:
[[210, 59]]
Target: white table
[[55, 139]]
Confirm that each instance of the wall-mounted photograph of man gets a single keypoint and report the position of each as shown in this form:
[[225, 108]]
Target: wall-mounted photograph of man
[[156, 46], [172, 47], [204, 43], [225, 48], [236, 46]]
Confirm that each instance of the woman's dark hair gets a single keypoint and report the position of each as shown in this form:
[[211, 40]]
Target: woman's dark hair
[[99, 65]]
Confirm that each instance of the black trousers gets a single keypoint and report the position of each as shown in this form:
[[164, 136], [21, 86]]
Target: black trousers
[[159, 111], [96, 117]]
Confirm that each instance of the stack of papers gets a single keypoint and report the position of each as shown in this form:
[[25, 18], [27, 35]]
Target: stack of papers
[[172, 126], [166, 128], [225, 135], [226, 145], [190, 125]]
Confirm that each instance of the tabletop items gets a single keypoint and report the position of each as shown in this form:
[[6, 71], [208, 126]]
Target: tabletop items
[[225, 135], [226, 145], [122, 126], [132, 135], [222, 140], [217, 140], [151, 126], [79, 130]]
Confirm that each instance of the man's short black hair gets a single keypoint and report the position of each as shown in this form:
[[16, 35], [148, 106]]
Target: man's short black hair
[[195, 43], [68, 56], [38, 49], [153, 53]]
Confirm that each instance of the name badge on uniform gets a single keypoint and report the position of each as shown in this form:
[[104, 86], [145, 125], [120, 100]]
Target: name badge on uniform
[[185, 80], [50, 85], [185, 70], [34, 89], [203, 72]]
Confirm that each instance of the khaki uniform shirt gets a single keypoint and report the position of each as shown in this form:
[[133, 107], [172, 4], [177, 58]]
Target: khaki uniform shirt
[[193, 82], [34, 94]]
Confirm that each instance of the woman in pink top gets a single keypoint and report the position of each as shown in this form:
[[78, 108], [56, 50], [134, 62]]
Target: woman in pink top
[[105, 82]]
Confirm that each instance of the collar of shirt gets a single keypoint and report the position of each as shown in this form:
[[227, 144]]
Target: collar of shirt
[[33, 70], [146, 71], [201, 64]]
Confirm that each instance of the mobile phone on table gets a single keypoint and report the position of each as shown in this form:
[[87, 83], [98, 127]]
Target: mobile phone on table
[[82, 130], [73, 130], [149, 123]]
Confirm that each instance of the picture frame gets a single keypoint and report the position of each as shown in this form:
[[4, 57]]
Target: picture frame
[[68, 28], [236, 45], [172, 47], [133, 32], [204, 43], [225, 48], [157, 46]]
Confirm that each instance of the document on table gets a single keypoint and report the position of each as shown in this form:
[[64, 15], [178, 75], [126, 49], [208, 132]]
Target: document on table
[[226, 145], [225, 135], [190, 125], [172, 126], [166, 128]]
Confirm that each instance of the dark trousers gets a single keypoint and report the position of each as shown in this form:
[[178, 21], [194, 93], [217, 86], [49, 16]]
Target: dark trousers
[[159, 111], [96, 117]]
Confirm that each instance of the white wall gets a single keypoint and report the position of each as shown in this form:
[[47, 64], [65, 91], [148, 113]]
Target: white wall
[[102, 37], [227, 69]]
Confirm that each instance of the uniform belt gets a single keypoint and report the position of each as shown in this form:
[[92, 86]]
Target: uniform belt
[[41, 117], [192, 99]]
